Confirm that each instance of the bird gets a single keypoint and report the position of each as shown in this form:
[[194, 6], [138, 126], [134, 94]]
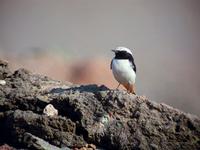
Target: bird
[[124, 69]]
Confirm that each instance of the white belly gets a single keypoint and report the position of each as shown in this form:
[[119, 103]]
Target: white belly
[[123, 71]]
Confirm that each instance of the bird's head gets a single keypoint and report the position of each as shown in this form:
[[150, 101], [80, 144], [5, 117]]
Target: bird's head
[[122, 51]]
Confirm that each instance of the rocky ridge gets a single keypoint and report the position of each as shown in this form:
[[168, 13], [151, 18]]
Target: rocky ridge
[[89, 117]]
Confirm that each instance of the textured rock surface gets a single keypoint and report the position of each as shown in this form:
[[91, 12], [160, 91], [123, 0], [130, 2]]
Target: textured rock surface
[[87, 114]]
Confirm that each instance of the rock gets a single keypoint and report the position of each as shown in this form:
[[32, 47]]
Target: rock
[[34, 142], [6, 147], [91, 146], [49, 110], [57, 131], [2, 82], [109, 119], [4, 70]]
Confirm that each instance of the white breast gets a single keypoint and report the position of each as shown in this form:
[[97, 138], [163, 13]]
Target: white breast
[[123, 71]]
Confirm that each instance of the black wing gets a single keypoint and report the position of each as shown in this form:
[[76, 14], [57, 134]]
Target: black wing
[[111, 64], [132, 63]]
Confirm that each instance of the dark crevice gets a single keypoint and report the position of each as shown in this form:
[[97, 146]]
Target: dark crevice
[[177, 129], [6, 133], [81, 131], [190, 125], [2, 131], [66, 109]]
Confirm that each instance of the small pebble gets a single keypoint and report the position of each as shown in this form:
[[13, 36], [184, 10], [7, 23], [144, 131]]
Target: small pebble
[[49, 110], [91, 146], [2, 82]]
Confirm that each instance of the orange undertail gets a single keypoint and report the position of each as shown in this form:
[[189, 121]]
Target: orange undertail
[[130, 88]]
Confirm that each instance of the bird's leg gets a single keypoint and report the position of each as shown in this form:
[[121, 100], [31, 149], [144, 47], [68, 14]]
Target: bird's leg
[[129, 89], [132, 89], [118, 86]]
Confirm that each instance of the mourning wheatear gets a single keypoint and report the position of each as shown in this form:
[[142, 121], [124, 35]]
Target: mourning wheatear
[[124, 68]]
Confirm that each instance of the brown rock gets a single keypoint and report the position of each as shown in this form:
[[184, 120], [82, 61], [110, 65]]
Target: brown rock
[[6, 147]]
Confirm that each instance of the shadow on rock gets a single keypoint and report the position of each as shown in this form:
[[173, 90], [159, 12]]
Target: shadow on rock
[[92, 88]]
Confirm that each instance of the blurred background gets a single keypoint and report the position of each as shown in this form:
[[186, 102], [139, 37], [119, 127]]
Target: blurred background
[[71, 40]]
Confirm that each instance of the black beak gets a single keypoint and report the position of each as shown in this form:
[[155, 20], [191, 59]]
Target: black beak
[[113, 50]]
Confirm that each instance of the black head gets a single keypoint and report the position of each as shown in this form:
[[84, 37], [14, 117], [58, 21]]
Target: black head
[[123, 55]]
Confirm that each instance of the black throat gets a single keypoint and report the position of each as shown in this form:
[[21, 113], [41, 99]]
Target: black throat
[[126, 55]]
